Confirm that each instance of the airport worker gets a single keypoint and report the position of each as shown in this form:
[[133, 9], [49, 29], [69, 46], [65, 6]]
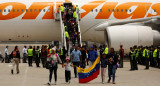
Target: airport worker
[[112, 65], [44, 55], [92, 55], [25, 54], [74, 15], [121, 53], [132, 56], [30, 56], [76, 58], [62, 10], [53, 59], [147, 58], [37, 51], [155, 54], [6, 55], [136, 57], [63, 54], [15, 55], [77, 9]]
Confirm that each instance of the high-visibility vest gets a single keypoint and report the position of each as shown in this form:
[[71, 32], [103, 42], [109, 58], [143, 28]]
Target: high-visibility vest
[[61, 8], [144, 52], [66, 34], [61, 51], [148, 51], [137, 53], [37, 52], [159, 54], [155, 53], [132, 55], [65, 27], [105, 51], [50, 51], [30, 52], [74, 14]]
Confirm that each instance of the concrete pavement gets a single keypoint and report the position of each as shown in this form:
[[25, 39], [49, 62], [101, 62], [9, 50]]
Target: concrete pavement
[[32, 76]]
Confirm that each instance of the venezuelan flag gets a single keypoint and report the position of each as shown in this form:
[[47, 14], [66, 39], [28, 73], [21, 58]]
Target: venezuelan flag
[[87, 75]]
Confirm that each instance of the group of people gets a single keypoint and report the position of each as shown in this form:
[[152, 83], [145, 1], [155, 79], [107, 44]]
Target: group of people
[[148, 56]]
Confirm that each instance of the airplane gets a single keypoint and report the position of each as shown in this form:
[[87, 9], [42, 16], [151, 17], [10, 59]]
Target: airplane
[[114, 22]]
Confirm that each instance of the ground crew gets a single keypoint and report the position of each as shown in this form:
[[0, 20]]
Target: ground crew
[[37, 56], [121, 53], [77, 9], [151, 56], [136, 57], [159, 58], [74, 15], [30, 56], [132, 58], [25, 54], [155, 52], [147, 58], [62, 10]]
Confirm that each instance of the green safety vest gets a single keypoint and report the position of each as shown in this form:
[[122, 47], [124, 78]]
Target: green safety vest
[[148, 51], [74, 14], [65, 27], [50, 51], [105, 51], [61, 8], [155, 53], [159, 54], [66, 34], [137, 53], [144, 52], [30, 52], [37, 52], [132, 55], [61, 51]]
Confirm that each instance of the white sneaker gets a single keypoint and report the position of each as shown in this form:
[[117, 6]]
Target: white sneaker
[[102, 82]]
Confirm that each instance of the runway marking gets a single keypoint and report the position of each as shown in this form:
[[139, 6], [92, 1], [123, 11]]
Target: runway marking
[[24, 77]]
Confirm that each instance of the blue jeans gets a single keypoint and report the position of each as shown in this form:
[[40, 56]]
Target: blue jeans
[[111, 71]]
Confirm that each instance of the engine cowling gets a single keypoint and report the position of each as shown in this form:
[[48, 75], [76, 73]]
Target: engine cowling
[[130, 35]]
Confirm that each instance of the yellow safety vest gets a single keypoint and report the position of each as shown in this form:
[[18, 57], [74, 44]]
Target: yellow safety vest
[[61, 51], [159, 54], [74, 14], [66, 34], [132, 55], [148, 51], [77, 9], [61, 8], [155, 53], [30, 52], [144, 52], [50, 51], [105, 51]]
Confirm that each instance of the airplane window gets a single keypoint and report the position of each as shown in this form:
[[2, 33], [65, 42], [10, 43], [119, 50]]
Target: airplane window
[[39, 10], [92, 10], [4, 10], [35, 10], [17, 10], [96, 10], [44, 10], [121, 10], [117, 10], [155, 10], [0, 10], [13, 10], [109, 10], [130, 10], [9, 10], [126, 10], [100, 10], [26, 10], [113, 10], [30, 10], [22, 10]]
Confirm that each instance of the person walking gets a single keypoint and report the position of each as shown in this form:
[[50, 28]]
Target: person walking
[[67, 66], [53, 58], [6, 55], [112, 65], [132, 56], [25, 54], [76, 59], [37, 52], [84, 57], [92, 56], [15, 55], [104, 62], [30, 56], [44, 55], [121, 53]]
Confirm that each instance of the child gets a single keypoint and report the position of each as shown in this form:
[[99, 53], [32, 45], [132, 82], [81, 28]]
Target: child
[[104, 62], [67, 65]]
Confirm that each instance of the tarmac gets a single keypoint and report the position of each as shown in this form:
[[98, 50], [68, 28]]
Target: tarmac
[[32, 76]]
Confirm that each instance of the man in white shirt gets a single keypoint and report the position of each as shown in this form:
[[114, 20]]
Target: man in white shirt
[[25, 54], [6, 55]]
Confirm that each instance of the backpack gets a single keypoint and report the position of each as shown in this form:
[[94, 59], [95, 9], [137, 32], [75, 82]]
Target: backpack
[[14, 53], [52, 63]]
